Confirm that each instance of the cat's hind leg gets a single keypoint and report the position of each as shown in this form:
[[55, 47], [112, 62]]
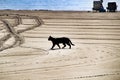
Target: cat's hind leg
[[58, 46], [64, 46], [69, 45]]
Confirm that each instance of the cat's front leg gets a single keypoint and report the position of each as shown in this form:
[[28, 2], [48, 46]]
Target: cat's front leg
[[53, 46]]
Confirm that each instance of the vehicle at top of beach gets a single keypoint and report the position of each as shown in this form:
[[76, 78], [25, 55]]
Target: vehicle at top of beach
[[112, 7]]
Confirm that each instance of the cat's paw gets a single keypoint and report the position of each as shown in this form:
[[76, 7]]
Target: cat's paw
[[51, 49]]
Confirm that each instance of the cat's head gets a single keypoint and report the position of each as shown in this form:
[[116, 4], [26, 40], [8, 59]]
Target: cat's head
[[50, 38]]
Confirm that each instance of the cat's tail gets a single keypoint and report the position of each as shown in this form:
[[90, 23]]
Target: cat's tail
[[72, 43]]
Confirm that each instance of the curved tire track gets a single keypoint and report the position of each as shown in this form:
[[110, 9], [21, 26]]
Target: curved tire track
[[16, 34], [12, 33]]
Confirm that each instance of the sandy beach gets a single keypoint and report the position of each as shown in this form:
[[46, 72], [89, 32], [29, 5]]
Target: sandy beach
[[25, 51]]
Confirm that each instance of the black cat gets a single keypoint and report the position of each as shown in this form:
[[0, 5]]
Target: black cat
[[63, 40]]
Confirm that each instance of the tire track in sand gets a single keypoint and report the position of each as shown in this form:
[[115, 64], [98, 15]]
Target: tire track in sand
[[12, 33], [16, 34]]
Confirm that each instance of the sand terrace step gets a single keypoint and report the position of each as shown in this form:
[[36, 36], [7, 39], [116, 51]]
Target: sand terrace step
[[73, 32], [28, 21], [79, 21], [77, 36], [83, 26], [76, 29], [82, 22], [21, 27], [44, 41]]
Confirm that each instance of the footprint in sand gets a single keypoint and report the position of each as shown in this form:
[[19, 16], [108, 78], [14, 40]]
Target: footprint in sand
[[97, 50], [101, 57], [102, 51], [108, 52], [37, 62], [96, 58]]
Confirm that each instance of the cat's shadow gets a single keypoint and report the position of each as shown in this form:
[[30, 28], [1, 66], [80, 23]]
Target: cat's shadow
[[58, 49]]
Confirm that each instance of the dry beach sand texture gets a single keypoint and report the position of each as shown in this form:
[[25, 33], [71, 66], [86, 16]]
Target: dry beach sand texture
[[25, 51]]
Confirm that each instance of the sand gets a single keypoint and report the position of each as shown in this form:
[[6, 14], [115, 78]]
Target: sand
[[95, 56]]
